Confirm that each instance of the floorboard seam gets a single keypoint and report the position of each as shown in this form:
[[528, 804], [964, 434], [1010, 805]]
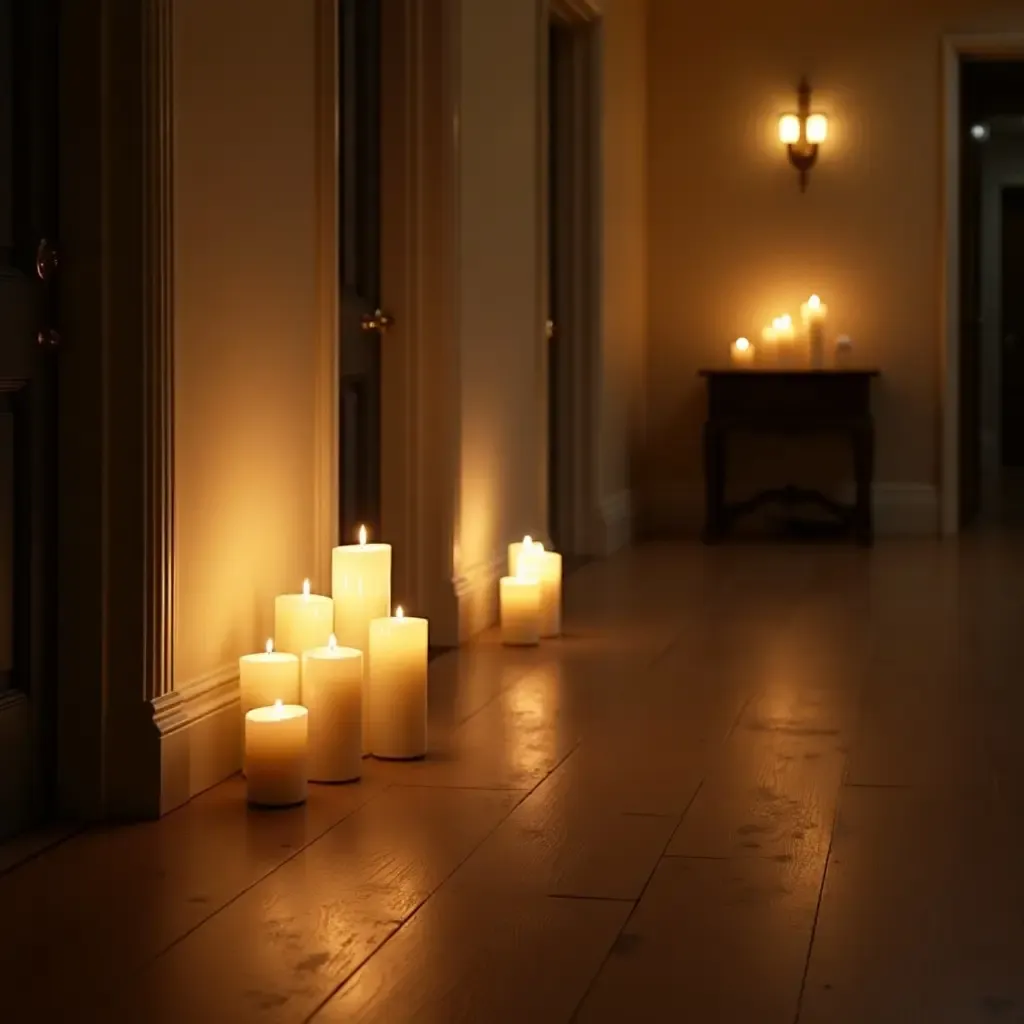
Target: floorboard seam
[[636, 903]]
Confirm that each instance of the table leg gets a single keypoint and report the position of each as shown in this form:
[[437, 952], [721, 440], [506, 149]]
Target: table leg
[[714, 483], [864, 470]]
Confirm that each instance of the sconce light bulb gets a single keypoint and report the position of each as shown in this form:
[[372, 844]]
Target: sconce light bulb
[[789, 129], [816, 129]]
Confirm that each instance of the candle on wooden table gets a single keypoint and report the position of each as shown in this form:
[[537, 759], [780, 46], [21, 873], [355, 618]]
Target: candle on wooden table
[[768, 350], [741, 352], [302, 621], [332, 690], [397, 676], [519, 599], [276, 740], [535, 562], [361, 587], [266, 677], [814, 312]]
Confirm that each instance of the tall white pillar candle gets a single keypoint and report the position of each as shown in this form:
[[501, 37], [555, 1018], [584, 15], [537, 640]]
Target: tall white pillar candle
[[267, 677], [276, 739], [332, 690], [549, 572], [397, 675], [520, 610], [302, 621], [361, 588]]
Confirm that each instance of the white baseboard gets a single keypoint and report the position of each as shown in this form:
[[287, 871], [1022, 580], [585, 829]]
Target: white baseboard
[[616, 522], [908, 509], [200, 736], [476, 591]]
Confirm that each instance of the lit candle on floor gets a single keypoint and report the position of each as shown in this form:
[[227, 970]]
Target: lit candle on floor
[[515, 550], [276, 740], [742, 352], [332, 690], [397, 676], [535, 562], [302, 621], [266, 677], [361, 587], [520, 610]]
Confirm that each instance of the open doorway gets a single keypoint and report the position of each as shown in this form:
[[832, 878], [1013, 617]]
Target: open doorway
[[991, 292], [573, 310]]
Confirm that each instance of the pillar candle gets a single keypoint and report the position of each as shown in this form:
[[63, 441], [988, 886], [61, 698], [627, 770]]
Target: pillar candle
[[535, 562], [332, 690], [361, 587], [520, 610], [267, 677], [397, 675], [741, 352], [276, 740], [302, 621], [814, 312], [515, 551]]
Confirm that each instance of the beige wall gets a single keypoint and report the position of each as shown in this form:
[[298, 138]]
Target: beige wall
[[732, 240], [502, 378], [624, 251], [245, 206]]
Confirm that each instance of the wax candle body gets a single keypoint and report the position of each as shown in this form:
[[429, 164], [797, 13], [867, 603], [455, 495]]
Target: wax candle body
[[302, 621], [814, 312], [520, 610], [267, 677], [332, 690], [275, 755], [361, 587], [549, 566], [397, 677]]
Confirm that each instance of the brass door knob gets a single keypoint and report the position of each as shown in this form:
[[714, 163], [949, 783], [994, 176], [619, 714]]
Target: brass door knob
[[46, 260], [378, 321], [48, 339], [549, 329]]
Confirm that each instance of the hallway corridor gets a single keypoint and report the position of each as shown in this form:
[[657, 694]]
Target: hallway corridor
[[752, 785]]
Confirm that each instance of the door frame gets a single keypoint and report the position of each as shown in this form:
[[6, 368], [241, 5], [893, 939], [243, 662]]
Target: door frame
[[579, 391], [1008, 46]]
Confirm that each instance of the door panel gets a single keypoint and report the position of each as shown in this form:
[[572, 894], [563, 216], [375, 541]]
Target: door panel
[[359, 258], [1012, 327], [28, 209]]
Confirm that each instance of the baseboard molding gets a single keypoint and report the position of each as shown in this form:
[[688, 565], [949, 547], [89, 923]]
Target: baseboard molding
[[616, 522], [200, 736], [476, 591], [910, 509]]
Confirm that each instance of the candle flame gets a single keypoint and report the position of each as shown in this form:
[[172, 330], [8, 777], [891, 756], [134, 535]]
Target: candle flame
[[742, 344], [305, 588], [278, 708], [278, 703], [332, 641], [270, 646], [362, 536], [527, 541], [814, 302], [399, 614]]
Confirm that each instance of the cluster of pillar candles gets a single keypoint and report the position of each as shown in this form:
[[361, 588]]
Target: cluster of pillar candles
[[348, 679], [779, 339]]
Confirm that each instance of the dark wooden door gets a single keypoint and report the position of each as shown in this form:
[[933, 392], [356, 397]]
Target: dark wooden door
[[556, 260], [28, 352], [970, 328], [1012, 327], [362, 323]]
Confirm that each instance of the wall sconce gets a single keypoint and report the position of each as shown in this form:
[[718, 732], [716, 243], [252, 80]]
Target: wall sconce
[[802, 133]]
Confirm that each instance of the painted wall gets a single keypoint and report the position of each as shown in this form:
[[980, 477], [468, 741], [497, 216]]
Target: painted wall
[[245, 208], [624, 258], [503, 398], [732, 240]]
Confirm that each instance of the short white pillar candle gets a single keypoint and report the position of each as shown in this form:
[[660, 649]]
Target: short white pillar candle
[[520, 610], [332, 690], [302, 621], [267, 677], [361, 588], [397, 677], [535, 562], [276, 740]]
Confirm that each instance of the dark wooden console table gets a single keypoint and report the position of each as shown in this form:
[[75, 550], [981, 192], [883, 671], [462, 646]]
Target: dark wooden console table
[[782, 401]]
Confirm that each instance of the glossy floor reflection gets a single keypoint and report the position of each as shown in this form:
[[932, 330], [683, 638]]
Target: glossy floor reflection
[[750, 784]]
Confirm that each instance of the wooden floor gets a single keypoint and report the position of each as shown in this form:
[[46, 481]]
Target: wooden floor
[[752, 785]]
